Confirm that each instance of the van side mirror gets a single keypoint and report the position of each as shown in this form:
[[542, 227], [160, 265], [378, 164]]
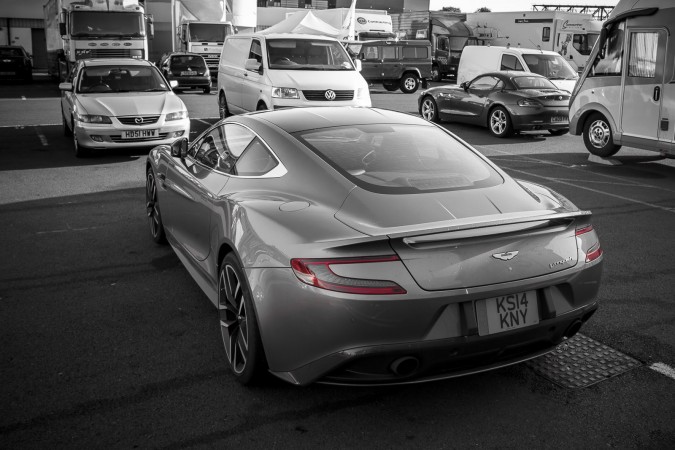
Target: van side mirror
[[358, 66], [464, 85], [151, 26], [62, 28], [253, 65], [179, 148]]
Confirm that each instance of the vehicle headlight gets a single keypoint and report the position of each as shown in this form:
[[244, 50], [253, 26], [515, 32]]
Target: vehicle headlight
[[92, 118], [362, 93], [178, 115], [528, 102], [280, 92]]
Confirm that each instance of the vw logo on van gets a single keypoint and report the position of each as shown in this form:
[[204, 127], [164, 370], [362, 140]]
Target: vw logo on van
[[330, 95]]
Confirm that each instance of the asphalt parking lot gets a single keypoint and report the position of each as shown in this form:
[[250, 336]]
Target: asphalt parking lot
[[108, 342]]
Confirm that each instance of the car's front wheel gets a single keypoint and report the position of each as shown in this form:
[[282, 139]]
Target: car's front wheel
[[152, 208], [66, 129], [598, 136], [80, 150], [409, 83], [436, 74], [429, 109], [238, 324], [499, 122], [207, 90]]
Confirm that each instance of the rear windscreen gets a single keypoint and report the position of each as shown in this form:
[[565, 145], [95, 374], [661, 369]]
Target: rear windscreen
[[395, 158]]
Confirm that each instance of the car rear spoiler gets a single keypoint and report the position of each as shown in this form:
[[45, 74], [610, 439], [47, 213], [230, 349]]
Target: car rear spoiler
[[412, 235]]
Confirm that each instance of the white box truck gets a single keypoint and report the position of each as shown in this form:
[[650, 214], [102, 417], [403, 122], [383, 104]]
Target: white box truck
[[570, 34]]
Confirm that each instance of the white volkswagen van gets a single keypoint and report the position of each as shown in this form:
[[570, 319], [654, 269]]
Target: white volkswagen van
[[477, 60], [626, 94], [273, 71]]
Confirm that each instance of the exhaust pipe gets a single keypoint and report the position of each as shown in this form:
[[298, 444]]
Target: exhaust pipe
[[573, 328], [405, 366]]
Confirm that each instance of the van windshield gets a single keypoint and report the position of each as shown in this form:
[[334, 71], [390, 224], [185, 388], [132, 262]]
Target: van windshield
[[307, 54], [553, 67]]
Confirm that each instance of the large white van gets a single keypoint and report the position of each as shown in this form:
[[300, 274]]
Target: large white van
[[626, 94], [477, 60], [273, 71]]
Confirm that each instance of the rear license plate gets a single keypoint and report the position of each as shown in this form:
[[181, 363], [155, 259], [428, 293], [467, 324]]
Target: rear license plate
[[559, 119], [135, 134], [513, 311], [188, 73]]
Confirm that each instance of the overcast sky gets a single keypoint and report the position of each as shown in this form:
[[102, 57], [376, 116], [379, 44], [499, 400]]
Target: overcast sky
[[511, 5]]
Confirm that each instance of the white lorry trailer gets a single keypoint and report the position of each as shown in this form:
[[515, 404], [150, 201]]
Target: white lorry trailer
[[570, 34], [79, 29]]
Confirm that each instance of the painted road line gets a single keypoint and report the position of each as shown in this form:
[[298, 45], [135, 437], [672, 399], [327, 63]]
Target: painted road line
[[42, 137], [663, 369]]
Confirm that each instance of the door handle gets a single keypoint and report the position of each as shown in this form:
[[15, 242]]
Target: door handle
[[657, 93]]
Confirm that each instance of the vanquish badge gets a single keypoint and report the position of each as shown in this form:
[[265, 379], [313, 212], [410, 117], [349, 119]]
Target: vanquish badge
[[505, 256]]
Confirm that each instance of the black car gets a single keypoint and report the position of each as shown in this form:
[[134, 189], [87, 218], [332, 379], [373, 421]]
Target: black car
[[188, 69], [15, 63], [503, 101]]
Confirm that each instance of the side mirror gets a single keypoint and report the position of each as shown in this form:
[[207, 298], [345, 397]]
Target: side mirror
[[253, 65], [173, 84], [179, 148], [66, 86], [151, 26], [357, 64], [62, 28], [464, 85]]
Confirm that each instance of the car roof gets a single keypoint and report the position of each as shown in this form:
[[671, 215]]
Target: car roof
[[116, 62], [301, 119], [520, 50], [512, 74], [288, 36]]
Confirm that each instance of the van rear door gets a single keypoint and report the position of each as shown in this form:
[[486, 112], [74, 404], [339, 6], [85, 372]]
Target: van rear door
[[643, 86]]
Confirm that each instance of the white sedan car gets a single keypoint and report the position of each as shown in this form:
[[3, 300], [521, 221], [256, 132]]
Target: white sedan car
[[120, 103]]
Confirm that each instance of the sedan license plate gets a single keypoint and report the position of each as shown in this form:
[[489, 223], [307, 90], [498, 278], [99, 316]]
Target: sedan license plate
[[513, 311], [559, 119], [188, 73], [135, 134]]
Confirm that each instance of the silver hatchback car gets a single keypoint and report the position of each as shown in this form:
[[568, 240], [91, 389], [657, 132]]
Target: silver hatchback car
[[120, 103], [361, 246]]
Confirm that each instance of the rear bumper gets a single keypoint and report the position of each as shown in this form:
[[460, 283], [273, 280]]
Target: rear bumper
[[548, 119], [419, 362], [193, 82]]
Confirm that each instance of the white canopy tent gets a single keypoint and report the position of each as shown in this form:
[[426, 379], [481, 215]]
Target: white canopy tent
[[305, 23]]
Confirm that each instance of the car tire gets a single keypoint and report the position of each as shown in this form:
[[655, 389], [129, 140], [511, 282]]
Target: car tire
[[409, 83], [152, 207], [222, 106], [80, 150], [559, 132], [499, 122], [238, 324], [436, 74], [66, 129], [207, 90], [261, 107], [390, 86], [429, 109], [598, 136]]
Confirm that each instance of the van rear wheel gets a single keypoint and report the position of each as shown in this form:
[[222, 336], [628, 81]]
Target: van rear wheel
[[222, 106], [598, 136], [409, 83]]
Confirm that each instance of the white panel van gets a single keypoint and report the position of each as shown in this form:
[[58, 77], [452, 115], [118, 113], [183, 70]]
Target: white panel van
[[286, 70], [477, 60]]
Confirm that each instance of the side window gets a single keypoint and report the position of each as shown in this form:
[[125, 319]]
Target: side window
[[546, 34], [642, 56], [255, 161], [410, 52], [256, 51], [389, 52], [370, 52], [510, 62], [209, 151], [71, 74], [484, 83], [612, 50]]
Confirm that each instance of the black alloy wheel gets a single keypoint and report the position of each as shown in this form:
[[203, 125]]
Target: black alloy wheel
[[152, 208], [238, 324]]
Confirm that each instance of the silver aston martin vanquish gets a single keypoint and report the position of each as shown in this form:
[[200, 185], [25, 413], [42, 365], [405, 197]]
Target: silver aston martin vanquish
[[364, 246]]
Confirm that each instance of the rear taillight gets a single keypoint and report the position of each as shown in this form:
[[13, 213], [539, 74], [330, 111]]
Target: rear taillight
[[317, 272], [589, 243]]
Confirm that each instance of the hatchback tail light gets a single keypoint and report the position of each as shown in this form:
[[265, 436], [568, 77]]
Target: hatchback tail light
[[317, 272], [589, 242]]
